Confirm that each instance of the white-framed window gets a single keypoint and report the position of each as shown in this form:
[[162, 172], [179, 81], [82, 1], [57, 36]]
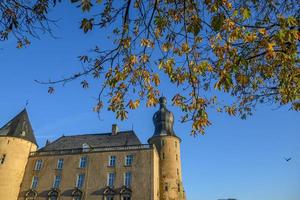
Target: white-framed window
[[60, 163], [57, 181], [83, 162], [111, 179], [85, 147], [127, 179], [38, 165], [112, 161], [128, 160], [80, 180], [34, 182]]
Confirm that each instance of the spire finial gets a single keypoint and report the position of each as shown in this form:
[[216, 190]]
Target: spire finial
[[162, 102]]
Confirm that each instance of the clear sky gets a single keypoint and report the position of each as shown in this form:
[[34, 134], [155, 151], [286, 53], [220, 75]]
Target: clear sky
[[235, 159]]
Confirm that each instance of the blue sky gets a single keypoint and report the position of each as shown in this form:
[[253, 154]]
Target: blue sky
[[241, 159]]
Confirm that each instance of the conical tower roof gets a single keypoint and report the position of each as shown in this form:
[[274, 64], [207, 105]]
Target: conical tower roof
[[19, 127]]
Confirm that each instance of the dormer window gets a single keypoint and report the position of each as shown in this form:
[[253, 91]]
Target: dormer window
[[86, 147], [23, 133]]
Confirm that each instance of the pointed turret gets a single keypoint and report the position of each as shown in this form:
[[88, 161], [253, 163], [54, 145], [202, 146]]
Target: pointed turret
[[16, 142], [19, 127]]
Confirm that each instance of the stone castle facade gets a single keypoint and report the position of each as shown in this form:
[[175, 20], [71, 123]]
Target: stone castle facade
[[107, 166]]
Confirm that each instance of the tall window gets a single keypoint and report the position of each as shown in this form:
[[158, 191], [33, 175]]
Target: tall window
[[60, 163], [111, 179], [38, 165], [127, 179], [112, 161], [128, 160], [80, 180], [34, 182], [83, 161], [2, 158], [57, 181]]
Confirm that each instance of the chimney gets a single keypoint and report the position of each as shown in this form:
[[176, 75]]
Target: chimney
[[114, 129]]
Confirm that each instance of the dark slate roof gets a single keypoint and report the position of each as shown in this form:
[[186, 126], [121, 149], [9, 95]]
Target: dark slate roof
[[93, 140], [19, 127]]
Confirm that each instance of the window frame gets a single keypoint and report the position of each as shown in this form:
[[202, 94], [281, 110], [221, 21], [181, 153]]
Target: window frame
[[111, 176], [83, 162], [34, 182], [128, 160], [80, 180], [112, 161], [127, 179], [60, 164], [56, 182], [38, 165]]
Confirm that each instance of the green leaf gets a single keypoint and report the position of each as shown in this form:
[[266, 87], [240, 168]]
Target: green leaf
[[87, 24], [246, 13], [217, 21]]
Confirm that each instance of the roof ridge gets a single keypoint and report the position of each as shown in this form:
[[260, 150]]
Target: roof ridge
[[107, 133]]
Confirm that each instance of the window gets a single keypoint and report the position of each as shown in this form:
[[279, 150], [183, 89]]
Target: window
[[111, 179], [166, 187], [80, 180], [176, 144], [53, 194], [38, 165], [112, 161], [23, 133], [177, 171], [34, 182], [77, 194], [163, 156], [53, 198], [60, 163], [178, 186], [176, 157], [82, 163], [162, 143], [127, 179], [2, 159], [85, 147], [57, 181], [126, 198], [128, 160], [30, 195], [110, 197]]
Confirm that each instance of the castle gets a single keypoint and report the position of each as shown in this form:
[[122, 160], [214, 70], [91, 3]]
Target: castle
[[107, 166]]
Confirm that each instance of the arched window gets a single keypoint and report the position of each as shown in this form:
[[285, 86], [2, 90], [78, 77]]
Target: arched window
[[77, 194], [109, 194], [53, 194], [30, 195], [125, 193]]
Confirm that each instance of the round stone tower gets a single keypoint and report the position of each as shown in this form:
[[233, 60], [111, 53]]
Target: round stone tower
[[16, 142], [168, 146]]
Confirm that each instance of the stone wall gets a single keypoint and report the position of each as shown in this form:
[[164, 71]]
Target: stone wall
[[144, 182], [16, 152]]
